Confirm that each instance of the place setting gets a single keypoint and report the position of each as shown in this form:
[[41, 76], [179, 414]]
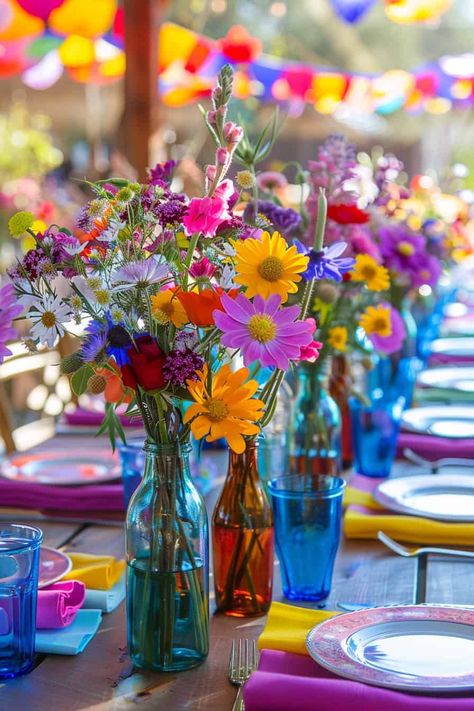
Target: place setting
[[236, 355]]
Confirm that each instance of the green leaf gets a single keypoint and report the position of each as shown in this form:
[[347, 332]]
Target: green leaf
[[80, 379]]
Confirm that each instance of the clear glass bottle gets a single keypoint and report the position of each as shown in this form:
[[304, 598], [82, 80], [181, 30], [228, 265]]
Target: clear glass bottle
[[243, 541], [167, 564], [316, 427], [340, 388]]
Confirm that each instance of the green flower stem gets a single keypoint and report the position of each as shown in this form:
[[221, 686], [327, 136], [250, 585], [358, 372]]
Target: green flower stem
[[321, 220]]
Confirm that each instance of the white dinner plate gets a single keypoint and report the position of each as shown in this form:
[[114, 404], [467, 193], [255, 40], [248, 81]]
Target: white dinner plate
[[458, 347], [445, 497], [53, 566], [448, 378], [451, 421], [421, 648], [62, 467]]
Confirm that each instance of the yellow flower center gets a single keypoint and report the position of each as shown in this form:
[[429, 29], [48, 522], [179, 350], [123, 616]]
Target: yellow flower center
[[262, 328], [271, 269], [93, 283], [102, 297], [380, 324], [218, 410], [368, 271], [405, 248], [48, 319], [76, 302]]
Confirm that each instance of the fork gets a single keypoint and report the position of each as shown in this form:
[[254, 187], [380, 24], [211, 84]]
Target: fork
[[242, 662], [435, 466], [414, 552]]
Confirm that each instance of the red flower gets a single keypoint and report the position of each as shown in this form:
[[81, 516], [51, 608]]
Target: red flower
[[347, 214], [146, 365]]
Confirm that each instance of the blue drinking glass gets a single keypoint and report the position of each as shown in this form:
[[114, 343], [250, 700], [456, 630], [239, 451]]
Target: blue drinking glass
[[19, 566], [307, 511], [132, 460], [375, 430]]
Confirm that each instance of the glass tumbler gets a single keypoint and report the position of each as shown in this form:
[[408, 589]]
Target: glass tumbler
[[375, 430], [307, 512], [19, 566], [132, 461]]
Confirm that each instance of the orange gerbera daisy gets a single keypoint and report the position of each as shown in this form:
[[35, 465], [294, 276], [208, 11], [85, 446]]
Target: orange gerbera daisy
[[224, 409], [200, 305]]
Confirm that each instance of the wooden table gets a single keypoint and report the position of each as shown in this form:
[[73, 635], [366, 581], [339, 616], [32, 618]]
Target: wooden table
[[102, 677]]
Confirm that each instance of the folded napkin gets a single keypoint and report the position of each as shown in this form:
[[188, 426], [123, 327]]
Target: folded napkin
[[96, 497], [70, 640], [288, 625], [106, 600], [449, 359], [100, 572], [92, 418], [292, 682], [364, 517], [433, 448], [59, 603]]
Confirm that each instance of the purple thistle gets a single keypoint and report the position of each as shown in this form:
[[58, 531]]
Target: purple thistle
[[170, 212], [326, 264], [83, 220], [182, 365]]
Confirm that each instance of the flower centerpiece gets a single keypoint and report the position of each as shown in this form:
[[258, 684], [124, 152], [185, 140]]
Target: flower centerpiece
[[180, 301]]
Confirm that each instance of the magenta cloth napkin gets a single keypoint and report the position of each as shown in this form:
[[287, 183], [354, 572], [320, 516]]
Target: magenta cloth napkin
[[294, 682], [92, 418], [58, 604], [445, 359], [97, 497], [433, 448]]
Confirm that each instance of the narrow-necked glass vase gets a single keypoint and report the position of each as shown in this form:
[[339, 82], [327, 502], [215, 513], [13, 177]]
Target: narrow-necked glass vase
[[167, 564], [316, 431], [243, 541]]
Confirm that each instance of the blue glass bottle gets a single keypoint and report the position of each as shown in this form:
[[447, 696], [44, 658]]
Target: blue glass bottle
[[167, 564], [315, 433]]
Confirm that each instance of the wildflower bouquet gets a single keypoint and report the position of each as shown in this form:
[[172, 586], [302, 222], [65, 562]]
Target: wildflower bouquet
[[170, 291]]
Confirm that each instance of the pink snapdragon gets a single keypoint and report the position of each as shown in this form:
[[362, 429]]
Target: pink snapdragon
[[205, 215], [233, 134]]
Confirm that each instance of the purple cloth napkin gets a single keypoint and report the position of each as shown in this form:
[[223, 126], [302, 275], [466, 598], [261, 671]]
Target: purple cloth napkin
[[433, 448], [92, 418], [98, 497], [294, 682], [445, 359], [58, 604]]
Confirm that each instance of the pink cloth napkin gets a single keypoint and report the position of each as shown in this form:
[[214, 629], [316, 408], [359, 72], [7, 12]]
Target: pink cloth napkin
[[294, 682], [92, 418], [433, 448], [58, 604], [98, 497]]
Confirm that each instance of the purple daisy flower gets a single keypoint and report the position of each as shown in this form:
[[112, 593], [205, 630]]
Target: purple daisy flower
[[9, 309], [326, 264], [141, 273], [400, 248], [393, 343], [264, 331], [284, 219]]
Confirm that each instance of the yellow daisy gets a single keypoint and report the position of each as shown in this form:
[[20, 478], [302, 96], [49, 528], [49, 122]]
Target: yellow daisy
[[268, 266], [167, 308], [338, 338], [376, 319], [225, 407], [367, 269]]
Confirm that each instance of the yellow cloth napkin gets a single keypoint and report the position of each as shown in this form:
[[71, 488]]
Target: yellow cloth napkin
[[288, 626], [362, 498], [100, 572], [410, 529]]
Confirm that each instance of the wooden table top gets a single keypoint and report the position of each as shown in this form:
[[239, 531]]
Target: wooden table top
[[102, 677]]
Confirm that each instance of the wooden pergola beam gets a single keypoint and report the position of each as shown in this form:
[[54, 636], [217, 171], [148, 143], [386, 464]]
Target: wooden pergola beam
[[142, 23]]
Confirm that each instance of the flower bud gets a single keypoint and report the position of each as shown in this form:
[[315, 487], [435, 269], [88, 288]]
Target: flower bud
[[328, 293], [211, 117], [233, 134], [211, 171], [222, 156], [96, 384]]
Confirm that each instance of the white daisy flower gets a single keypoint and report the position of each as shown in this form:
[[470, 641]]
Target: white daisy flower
[[110, 233], [48, 316]]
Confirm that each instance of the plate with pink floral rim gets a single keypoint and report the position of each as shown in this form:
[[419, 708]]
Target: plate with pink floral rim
[[63, 467], [420, 648]]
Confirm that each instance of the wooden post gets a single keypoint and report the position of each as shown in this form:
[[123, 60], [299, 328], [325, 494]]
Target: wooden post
[[142, 20]]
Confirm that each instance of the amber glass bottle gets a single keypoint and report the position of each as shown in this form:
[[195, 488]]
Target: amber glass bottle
[[242, 536]]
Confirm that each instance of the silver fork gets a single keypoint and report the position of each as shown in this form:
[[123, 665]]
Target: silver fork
[[414, 552], [242, 662], [435, 466]]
